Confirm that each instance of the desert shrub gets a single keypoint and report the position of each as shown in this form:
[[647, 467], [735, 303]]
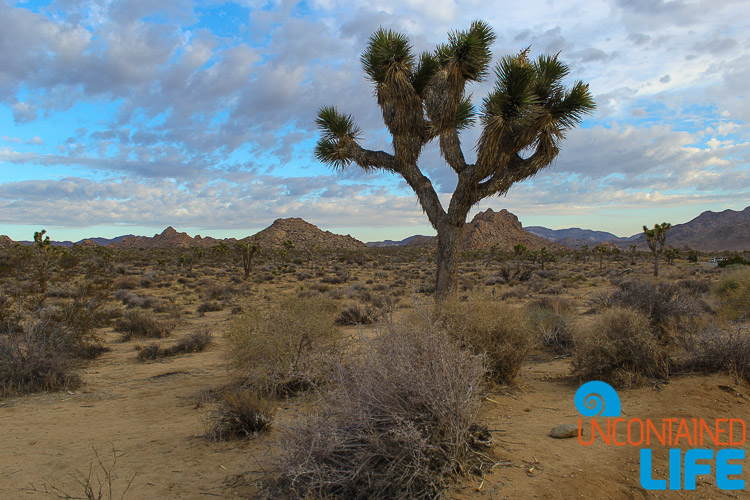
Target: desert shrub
[[733, 292], [285, 347], [126, 282], [31, 360], [70, 325], [494, 329], [734, 260], [725, 348], [242, 412], [665, 304], [495, 280], [195, 342], [149, 352], [398, 423], [622, 349], [694, 287], [132, 300], [517, 292], [135, 324], [209, 307], [357, 314], [550, 318]]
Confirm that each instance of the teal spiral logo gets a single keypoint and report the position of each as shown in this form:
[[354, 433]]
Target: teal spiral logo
[[597, 399]]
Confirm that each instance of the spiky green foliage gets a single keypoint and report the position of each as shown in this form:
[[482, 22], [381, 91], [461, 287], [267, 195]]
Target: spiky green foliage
[[523, 121], [426, 69], [337, 132], [469, 50], [386, 51]]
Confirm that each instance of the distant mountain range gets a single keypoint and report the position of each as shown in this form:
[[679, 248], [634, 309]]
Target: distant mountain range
[[573, 237], [710, 231]]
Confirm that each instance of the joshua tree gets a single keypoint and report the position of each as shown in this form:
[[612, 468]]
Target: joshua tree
[[545, 255], [247, 250], [584, 252], [633, 249], [44, 252], [424, 98], [671, 254], [654, 237], [601, 251], [519, 250]]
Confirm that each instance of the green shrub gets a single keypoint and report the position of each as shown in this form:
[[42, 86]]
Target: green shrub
[[733, 292]]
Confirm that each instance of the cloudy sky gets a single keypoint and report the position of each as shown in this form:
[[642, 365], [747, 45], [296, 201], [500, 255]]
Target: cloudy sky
[[122, 117]]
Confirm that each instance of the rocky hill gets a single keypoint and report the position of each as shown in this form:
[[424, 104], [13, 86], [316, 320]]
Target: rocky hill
[[304, 236], [504, 229], [169, 238], [490, 228], [709, 232], [5, 241]]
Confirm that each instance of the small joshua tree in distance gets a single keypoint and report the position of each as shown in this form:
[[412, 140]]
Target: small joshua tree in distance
[[633, 250], [656, 238], [247, 250]]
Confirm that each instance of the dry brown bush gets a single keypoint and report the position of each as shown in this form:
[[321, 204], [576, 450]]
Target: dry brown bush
[[551, 319], [136, 324], [398, 423], [621, 348], [666, 304], [724, 347], [285, 347], [242, 412], [495, 329]]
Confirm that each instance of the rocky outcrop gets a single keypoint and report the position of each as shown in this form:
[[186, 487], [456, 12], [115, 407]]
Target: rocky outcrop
[[304, 236], [503, 229], [169, 238]]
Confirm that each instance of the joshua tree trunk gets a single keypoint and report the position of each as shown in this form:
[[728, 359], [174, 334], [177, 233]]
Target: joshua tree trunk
[[656, 264], [449, 240]]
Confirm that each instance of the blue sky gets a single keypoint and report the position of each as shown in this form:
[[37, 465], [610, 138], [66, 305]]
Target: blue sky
[[121, 117]]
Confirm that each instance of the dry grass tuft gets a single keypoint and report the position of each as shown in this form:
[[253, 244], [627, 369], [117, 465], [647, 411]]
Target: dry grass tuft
[[242, 413]]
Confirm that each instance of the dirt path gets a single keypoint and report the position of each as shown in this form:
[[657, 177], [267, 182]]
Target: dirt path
[[146, 411]]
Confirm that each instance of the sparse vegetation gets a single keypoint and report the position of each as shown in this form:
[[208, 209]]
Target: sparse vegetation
[[136, 324], [242, 412], [494, 329], [286, 347], [621, 348], [398, 423]]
